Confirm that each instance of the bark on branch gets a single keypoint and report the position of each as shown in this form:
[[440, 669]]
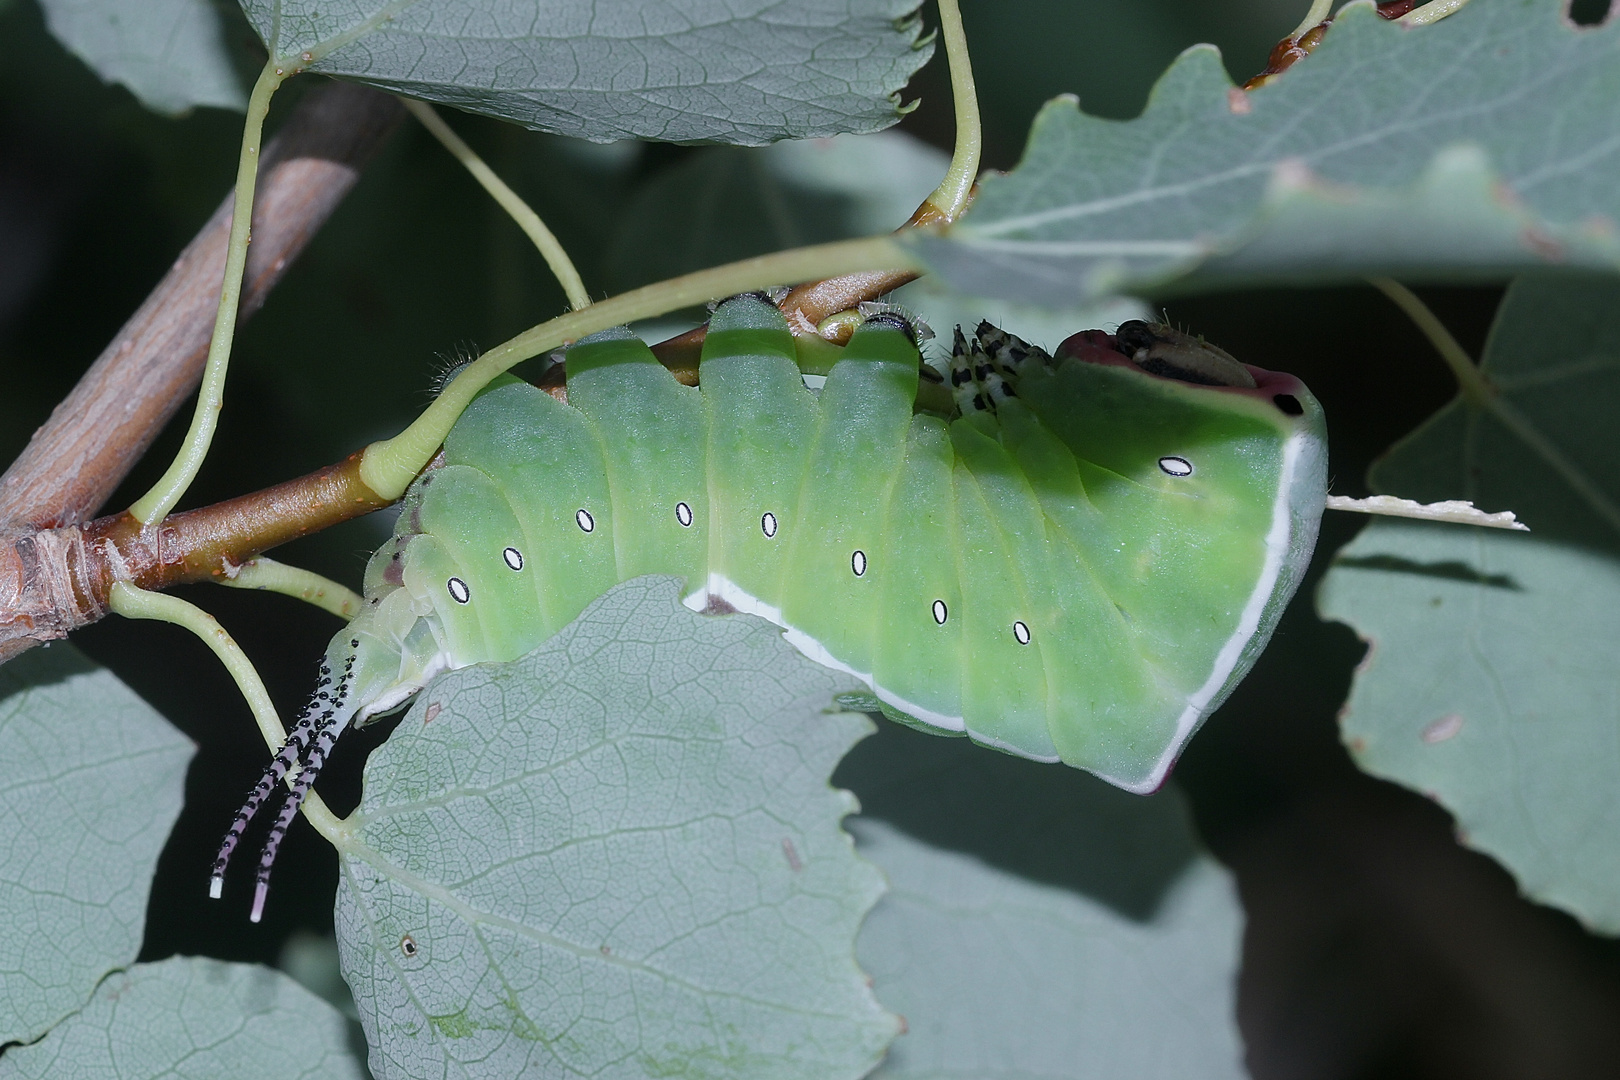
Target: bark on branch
[[56, 580]]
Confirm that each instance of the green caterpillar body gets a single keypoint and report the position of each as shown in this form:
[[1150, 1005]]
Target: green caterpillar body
[[1079, 568], [1080, 571]]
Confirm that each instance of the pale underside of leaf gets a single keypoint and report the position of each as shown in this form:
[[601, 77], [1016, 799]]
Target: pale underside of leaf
[[618, 856], [1478, 146], [676, 70], [1490, 681], [192, 1018], [1039, 923], [93, 781], [171, 54]]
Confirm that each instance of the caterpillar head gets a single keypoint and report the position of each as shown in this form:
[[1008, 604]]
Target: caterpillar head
[[1167, 353], [1163, 350]]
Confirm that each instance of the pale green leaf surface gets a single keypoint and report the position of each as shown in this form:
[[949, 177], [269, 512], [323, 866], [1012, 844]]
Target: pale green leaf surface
[[1039, 923], [1483, 144], [617, 857], [1490, 681], [92, 784], [736, 71], [192, 1018], [171, 54]]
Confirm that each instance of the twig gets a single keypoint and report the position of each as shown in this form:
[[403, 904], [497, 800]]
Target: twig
[[57, 580], [171, 486]]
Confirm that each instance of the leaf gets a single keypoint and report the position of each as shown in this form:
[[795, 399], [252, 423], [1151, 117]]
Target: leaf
[[171, 54], [93, 782], [680, 71], [618, 856], [1483, 144], [192, 1018], [1040, 923], [1490, 682]]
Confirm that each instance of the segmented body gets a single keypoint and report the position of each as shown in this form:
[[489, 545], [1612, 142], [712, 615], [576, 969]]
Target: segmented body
[[1078, 568]]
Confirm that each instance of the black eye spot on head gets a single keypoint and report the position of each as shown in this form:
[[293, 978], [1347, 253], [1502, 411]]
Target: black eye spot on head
[[1289, 404]]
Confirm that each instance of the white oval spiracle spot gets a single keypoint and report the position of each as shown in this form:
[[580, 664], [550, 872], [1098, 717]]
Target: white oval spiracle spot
[[1175, 466], [939, 612], [458, 590], [768, 523], [1021, 633], [585, 521], [513, 558], [683, 514], [857, 563]]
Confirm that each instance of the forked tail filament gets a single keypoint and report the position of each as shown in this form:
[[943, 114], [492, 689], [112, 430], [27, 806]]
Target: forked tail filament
[[307, 746]]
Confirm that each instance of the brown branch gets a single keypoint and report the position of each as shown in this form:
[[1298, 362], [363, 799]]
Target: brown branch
[[98, 432], [56, 580]]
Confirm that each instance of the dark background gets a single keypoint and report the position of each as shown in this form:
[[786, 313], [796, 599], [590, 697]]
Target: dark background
[[1376, 946]]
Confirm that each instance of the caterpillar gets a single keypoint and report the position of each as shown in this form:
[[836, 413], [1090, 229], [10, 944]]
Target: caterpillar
[[1077, 567]]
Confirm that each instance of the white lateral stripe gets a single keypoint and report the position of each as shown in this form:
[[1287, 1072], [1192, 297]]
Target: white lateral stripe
[[1277, 543], [1008, 748], [723, 588]]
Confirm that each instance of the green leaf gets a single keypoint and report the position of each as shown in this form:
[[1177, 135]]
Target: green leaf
[[679, 71], [618, 855], [93, 782], [1490, 682], [1040, 923], [191, 1018], [1483, 144], [171, 54]]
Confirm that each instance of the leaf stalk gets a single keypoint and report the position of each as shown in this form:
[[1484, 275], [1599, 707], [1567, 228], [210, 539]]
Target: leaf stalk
[[156, 503]]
